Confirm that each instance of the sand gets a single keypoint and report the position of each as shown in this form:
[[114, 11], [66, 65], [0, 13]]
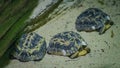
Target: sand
[[104, 48]]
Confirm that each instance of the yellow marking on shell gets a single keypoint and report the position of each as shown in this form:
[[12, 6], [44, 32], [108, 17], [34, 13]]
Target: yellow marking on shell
[[62, 41], [37, 48], [25, 41], [77, 45], [74, 55], [22, 49], [18, 47], [19, 53], [67, 43]]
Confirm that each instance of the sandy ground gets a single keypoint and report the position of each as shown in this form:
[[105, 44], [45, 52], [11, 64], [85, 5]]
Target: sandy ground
[[104, 48]]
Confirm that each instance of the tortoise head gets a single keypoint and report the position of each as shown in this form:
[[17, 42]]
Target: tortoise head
[[106, 26]]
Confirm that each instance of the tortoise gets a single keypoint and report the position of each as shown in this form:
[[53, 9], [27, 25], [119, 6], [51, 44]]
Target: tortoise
[[30, 47], [93, 19], [69, 44]]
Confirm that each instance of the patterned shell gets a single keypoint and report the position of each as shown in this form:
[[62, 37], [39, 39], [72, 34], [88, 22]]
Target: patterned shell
[[91, 19], [30, 47], [65, 43]]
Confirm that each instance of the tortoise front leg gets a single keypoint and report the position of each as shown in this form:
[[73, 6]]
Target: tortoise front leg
[[84, 51], [80, 53]]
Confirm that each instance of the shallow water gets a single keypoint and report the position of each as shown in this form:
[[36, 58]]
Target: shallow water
[[104, 48]]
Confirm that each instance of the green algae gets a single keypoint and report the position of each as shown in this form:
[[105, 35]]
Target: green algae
[[15, 23]]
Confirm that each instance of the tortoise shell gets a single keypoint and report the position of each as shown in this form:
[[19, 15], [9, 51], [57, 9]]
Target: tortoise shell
[[66, 44], [30, 47], [93, 19]]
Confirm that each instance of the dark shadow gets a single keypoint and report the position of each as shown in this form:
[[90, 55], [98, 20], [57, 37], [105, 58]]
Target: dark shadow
[[4, 60]]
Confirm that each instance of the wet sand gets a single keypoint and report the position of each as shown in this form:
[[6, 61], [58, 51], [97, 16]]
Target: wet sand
[[104, 48]]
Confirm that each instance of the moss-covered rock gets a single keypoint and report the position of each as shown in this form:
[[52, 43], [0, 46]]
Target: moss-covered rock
[[13, 20]]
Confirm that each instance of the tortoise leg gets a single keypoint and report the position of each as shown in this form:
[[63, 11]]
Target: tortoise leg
[[106, 26], [80, 53], [74, 55], [84, 52]]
